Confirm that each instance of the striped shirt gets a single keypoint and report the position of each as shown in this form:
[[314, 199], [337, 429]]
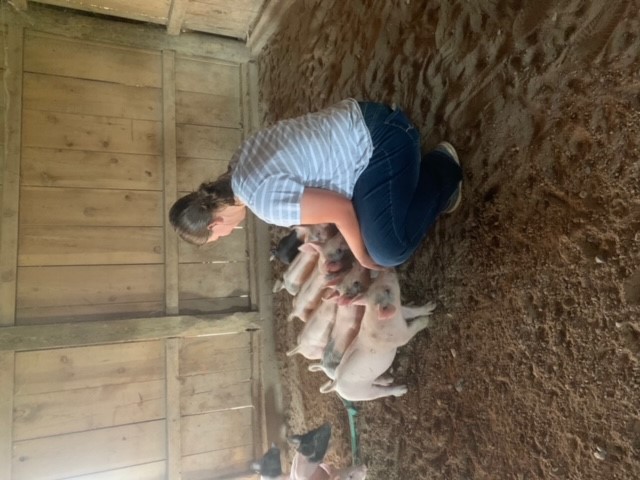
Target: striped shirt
[[327, 149]]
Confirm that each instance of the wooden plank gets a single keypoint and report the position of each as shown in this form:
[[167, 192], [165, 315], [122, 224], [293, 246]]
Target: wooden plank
[[206, 109], [82, 313], [215, 391], [200, 306], [217, 464], [193, 171], [267, 24], [155, 12], [90, 207], [211, 280], [87, 132], [202, 357], [86, 452], [257, 400], [88, 367], [207, 142], [63, 335], [147, 471], [249, 93], [20, 5], [72, 245], [89, 285], [205, 76], [221, 17], [54, 93], [7, 364], [69, 411], [56, 55], [174, 426], [46, 167], [227, 249], [98, 29], [176, 16], [2, 103], [170, 192], [222, 430], [11, 175]]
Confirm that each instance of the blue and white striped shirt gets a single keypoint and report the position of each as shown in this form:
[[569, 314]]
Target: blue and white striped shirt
[[327, 149]]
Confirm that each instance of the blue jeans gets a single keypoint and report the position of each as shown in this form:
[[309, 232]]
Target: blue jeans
[[400, 194]]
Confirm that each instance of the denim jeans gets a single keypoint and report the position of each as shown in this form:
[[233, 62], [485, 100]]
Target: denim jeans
[[400, 194]]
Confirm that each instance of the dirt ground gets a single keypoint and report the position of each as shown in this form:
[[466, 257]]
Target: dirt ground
[[532, 369]]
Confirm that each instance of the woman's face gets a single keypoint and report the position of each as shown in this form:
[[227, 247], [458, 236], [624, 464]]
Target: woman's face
[[225, 221]]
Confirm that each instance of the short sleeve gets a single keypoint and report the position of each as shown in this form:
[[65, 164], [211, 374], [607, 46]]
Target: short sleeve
[[277, 200]]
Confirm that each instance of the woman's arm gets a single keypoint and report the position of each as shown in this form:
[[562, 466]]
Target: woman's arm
[[324, 206]]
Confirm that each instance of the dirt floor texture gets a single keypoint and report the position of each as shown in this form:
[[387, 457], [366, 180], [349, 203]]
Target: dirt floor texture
[[532, 367]]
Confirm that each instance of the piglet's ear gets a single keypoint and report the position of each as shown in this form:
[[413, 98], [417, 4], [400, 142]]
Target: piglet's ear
[[386, 312], [331, 296], [310, 247], [344, 301], [358, 300]]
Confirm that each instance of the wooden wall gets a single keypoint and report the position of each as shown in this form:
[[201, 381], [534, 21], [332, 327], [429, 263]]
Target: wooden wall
[[221, 17], [109, 367], [136, 410], [110, 136]]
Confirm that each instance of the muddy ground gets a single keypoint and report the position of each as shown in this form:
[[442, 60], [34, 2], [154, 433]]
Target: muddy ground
[[532, 369]]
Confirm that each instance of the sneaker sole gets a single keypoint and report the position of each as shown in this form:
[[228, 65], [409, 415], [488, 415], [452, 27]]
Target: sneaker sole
[[452, 152]]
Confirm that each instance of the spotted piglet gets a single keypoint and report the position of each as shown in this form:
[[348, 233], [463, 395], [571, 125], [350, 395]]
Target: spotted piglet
[[384, 328]]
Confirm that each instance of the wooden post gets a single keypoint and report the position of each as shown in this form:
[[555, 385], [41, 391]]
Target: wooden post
[[7, 363], [176, 16], [11, 174], [174, 434], [271, 391], [248, 127], [170, 181]]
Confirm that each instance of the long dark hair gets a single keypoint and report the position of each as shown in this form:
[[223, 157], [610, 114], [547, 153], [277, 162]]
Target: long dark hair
[[192, 214]]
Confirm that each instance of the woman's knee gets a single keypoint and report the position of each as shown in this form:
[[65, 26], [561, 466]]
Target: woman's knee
[[390, 256]]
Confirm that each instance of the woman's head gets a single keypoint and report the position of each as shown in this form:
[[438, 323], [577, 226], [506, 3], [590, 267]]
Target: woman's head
[[193, 215]]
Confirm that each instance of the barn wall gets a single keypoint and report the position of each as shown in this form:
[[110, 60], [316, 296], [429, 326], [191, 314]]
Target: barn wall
[[104, 373], [220, 17], [97, 177]]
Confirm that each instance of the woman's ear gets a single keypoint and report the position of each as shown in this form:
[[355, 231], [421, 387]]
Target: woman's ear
[[215, 221]]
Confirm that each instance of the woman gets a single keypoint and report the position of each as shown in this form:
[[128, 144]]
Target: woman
[[357, 165]]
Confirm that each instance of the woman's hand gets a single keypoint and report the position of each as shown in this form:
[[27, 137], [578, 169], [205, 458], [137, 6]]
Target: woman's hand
[[324, 206]]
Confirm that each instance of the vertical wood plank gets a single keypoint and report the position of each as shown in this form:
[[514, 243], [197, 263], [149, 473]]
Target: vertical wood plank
[[256, 394], [176, 16], [11, 174], [7, 368], [246, 94], [270, 388], [170, 179], [174, 434]]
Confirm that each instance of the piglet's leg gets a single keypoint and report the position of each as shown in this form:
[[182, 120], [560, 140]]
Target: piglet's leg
[[413, 312], [372, 392], [383, 380]]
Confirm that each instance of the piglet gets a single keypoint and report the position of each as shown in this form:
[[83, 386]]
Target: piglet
[[287, 249], [302, 265], [384, 328], [333, 258], [311, 448], [315, 335], [344, 331], [269, 467], [358, 472]]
